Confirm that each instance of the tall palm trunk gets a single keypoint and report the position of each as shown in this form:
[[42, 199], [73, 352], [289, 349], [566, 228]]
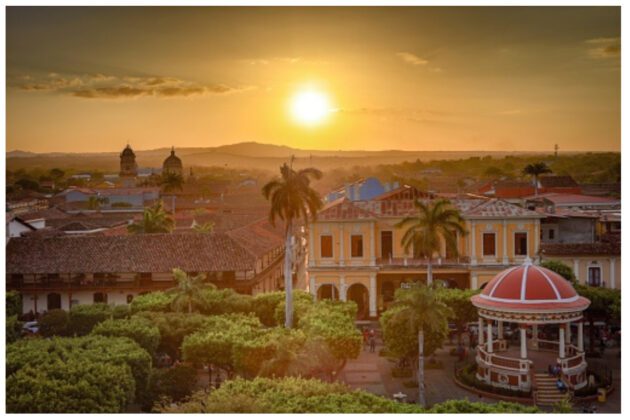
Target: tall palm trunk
[[430, 272], [288, 279], [421, 397]]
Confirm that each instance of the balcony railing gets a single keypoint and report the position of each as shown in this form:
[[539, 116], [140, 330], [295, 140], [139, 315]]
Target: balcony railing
[[58, 285], [422, 262]]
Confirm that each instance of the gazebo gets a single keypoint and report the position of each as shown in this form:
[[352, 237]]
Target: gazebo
[[529, 296]]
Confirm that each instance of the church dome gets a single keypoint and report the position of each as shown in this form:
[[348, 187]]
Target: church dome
[[530, 287], [172, 163], [127, 151]]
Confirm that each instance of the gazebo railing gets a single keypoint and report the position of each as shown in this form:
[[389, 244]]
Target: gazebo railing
[[548, 345], [503, 362]]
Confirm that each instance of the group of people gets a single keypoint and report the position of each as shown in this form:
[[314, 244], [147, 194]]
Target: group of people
[[369, 339], [556, 370]]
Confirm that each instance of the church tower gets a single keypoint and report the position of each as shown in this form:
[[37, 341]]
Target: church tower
[[173, 164], [128, 167]]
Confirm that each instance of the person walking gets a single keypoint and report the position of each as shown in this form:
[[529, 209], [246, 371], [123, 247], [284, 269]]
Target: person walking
[[372, 341]]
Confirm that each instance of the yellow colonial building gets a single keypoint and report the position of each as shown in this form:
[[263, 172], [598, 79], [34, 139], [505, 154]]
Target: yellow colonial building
[[355, 250]]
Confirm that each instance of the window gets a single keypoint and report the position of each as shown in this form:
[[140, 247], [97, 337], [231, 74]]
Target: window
[[356, 242], [552, 234], [54, 301], [520, 243], [129, 298], [326, 246], [386, 244], [489, 244], [100, 297], [594, 276]]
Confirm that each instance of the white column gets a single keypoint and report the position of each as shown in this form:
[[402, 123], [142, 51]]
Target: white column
[[580, 338], [341, 254], [373, 243], [561, 345], [474, 281], [311, 245], [567, 332], [342, 287], [312, 286], [523, 342], [489, 336], [373, 295], [576, 269], [536, 238], [535, 336], [480, 328], [500, 330], [505, 252], [473, 251], [612, 283]]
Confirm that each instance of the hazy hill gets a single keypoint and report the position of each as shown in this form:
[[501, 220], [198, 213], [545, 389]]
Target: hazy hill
[[250, 155]]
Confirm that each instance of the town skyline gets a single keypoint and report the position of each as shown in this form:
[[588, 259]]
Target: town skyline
[[413, 79]]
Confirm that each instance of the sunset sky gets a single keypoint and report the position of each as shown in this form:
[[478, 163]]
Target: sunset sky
[[92, 79]]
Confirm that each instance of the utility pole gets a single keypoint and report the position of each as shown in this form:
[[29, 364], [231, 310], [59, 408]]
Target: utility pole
[[555, 149]]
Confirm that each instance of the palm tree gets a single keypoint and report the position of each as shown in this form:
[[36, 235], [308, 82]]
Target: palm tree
[[292, 198], [207, 227], [188, 289], [154, 220], [422, 309], [535, 170], [434, 222], [171, 182]]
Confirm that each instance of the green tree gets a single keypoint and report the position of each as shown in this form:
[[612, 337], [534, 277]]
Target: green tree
[[463, 311], [188, 290], [13, 329], [95, 203], [156, 301], [171, 181], [173, 384], [605, 305], [56, 174], [139, 330], [83, 318], [54, 322], [435, 222], [535, 170], [560, 268], [207, 227], [154, 220], [419, 309], [292, 198], [13, 301]]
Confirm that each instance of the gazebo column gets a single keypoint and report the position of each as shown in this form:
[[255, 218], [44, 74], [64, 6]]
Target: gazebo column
[[561, 344], [580, 337], [535, 336], [500, 330], [567, 332], [489, 336], [480, 331], [523, 342]]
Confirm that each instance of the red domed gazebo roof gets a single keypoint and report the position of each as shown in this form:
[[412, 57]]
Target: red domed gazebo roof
[[529, 287]]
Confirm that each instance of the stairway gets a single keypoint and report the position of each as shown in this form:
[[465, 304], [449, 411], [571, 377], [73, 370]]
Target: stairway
[[547, 393]]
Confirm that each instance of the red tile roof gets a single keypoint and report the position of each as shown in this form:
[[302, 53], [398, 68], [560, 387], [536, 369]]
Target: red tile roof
[[595, 248]]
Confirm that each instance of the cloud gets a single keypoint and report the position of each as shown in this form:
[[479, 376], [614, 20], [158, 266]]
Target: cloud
[[412, 59], [602, 48], [102, 86]]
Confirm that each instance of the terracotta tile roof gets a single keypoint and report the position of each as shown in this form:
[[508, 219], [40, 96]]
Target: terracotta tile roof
[[561, 198], [557, 181], [344, 209], [470, 208], [406, 192], [157, 253], [259, 237], [47, 214], [595, 248]]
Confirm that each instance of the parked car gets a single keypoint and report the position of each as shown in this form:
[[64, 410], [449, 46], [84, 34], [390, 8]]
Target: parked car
[[30, 328]]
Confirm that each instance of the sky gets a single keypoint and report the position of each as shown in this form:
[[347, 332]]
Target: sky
[[92, 79]]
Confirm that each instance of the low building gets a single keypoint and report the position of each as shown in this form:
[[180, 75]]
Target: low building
[[58, 272]]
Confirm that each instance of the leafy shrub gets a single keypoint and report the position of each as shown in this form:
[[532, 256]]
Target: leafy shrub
[[560, 268], [288, 395], [54, 359], [54, 322], [264, 306], [223, 301], [13, 301], [302, 302], [171, 384], [75, 386], [84, 317], [13, 329], [154, 302], [121, 311], [139, 330], [465, 406]]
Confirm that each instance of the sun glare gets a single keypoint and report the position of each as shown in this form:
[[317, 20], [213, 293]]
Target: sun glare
[[310, 107]]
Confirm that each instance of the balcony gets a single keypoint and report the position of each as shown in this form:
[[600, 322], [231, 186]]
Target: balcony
[[422, 262], [83, 284]]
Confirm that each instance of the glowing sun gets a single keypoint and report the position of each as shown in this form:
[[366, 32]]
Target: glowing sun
[[310, 107]]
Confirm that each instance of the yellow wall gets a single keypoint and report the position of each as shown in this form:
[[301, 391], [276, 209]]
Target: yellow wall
[[584, 261]]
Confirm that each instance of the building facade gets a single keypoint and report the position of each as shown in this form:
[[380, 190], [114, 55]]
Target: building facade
[[355, 249]]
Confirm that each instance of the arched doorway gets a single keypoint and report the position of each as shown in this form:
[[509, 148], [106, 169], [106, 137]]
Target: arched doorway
[[359, 294], [54, 301], [327, 291]]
